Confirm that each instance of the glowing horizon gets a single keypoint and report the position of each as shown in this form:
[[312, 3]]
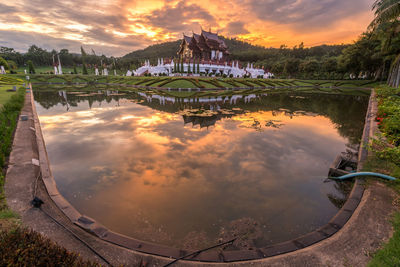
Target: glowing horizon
[[119, 27]]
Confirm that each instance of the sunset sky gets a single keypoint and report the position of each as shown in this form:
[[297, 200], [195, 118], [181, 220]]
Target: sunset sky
[[116, 27]]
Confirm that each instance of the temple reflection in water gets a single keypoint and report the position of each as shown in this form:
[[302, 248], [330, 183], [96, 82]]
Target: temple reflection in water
[[189, 171]]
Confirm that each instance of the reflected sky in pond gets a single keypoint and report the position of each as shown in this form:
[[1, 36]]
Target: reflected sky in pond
[[191, 172]]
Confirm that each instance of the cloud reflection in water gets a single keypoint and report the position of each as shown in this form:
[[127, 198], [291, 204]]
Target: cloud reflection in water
[[145, 173]]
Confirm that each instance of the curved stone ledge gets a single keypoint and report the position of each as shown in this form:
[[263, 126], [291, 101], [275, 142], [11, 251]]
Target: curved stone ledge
[[90, 225]]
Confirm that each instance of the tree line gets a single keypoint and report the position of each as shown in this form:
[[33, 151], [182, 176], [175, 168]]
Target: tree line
[[41, 57], [375, 55]]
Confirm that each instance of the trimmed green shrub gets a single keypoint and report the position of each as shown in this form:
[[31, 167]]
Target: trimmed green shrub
[[31, 68], [4, 63], [23, 247]]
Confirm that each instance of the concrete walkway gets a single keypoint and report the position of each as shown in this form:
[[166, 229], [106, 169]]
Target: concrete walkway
[[351, 246]]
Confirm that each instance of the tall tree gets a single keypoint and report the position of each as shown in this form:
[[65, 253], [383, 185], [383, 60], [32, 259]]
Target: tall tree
[[385, 11], [31, 68], [388, 11]]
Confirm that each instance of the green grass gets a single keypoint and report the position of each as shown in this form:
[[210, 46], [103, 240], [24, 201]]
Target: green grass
[[8, 121], [180, 84], [389, 256], [4, 95], [7, 214], [386, 159], [8, 82]]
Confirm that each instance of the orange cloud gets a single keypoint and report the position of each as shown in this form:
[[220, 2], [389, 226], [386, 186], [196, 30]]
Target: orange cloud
[[117, 27]]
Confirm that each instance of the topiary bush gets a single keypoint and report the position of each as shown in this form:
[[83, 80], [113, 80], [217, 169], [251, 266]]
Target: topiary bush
[[31, 68], [23, 247]]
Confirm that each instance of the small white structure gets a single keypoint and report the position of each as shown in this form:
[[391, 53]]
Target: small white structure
[[254, 72], [2, 70], [208, 69], [96, 71], [54, 66], [269, 75], [59, 65]]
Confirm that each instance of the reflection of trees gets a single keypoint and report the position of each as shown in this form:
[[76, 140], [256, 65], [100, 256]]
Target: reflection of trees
[[346, 112], [48, 99]]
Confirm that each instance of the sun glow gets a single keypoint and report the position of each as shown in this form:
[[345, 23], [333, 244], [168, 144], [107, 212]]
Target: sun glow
[[143, 23]]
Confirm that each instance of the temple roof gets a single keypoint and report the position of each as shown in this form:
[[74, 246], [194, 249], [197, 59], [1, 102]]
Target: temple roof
[[187, 38], [213, 40], [196, 37], [210, 35], [205, 41]]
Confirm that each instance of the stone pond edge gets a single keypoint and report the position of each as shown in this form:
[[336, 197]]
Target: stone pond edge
[[90, 225]]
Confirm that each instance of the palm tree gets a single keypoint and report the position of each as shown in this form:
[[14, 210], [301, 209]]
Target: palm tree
[[388, 11], [385, 11]]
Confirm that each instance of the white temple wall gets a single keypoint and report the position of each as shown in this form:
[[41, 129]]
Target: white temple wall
[[167, 69]]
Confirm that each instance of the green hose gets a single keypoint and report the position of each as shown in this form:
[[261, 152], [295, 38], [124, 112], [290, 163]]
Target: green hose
[[351, 175]]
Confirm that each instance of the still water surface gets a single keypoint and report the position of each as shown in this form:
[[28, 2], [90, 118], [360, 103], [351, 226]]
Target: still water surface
[[191, 172]]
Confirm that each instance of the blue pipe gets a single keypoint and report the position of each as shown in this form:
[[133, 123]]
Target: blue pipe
[[351, 175]]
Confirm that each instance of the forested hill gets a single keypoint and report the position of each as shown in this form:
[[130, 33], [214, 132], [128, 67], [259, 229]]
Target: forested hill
[[240, 50], [170, 49], [164, 50]]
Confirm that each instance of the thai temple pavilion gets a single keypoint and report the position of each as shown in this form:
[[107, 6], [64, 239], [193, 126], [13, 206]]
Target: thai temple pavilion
[[205, 46]]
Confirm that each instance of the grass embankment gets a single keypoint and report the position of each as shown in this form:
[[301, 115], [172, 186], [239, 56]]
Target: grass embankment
[[196, 82], [7, 83], [20, 246], [10, 106], [386, 159]]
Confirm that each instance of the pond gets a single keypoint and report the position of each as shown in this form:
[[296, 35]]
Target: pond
[[192, 172]]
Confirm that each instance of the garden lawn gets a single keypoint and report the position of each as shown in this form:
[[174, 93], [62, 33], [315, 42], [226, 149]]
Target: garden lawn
[[4, 95]]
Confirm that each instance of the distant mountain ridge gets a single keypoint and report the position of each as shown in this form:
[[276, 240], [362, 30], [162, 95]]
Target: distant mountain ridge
[[170, 49], [244, 52]]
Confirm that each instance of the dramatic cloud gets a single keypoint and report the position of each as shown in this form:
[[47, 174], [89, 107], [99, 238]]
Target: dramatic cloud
[[117, 26], [180, 17], [236, 28], [307, 13], [9, 10]]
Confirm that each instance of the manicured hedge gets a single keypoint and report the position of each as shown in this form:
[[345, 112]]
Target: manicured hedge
[[23, 247]]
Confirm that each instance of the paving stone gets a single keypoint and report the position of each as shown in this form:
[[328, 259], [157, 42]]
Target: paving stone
[[279, 249], [240, 255], [311, 238], [328, 230], [351, 205], [208, 256], [341, 218], [85, 220], [358, 190]]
